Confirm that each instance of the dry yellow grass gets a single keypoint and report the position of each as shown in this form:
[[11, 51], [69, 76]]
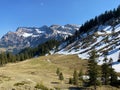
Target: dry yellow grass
[[39, 70]]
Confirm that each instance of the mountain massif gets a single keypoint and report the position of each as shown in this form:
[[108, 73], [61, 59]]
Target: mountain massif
[[32, 36]]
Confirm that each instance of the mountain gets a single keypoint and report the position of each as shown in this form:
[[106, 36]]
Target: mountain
[[103, 35], [32, 36]]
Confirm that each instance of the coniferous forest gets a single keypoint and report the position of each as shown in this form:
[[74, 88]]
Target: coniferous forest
[[27, 53], [98, 74], [98, 20]]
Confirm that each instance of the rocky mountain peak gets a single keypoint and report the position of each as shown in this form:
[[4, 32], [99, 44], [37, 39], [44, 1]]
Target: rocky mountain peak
[[34, 36]]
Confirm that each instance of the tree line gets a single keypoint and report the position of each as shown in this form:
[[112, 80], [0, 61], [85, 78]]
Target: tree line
[[104, 74], [96, 74], [98, 20], [27, 53]]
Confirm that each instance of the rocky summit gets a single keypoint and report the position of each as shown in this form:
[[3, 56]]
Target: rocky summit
[[32, 36]]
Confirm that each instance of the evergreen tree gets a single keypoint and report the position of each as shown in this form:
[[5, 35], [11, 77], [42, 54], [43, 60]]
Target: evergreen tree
[[22, 57], [70, 81], [113, 77], [105, 71], [93, 69], [58, 71], [61, 76], [17, 57], [9, 56], [105, 59], [110, 62], [75, 78]]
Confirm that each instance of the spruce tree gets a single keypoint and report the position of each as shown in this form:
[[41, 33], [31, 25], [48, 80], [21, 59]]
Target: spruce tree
[[93, 69], [70, 81], [58, 71], [105, 71], [75, 78], [113, 77], [61, 76]]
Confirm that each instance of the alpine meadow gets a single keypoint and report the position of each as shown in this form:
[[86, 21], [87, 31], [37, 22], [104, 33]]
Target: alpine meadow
[[60, 45]]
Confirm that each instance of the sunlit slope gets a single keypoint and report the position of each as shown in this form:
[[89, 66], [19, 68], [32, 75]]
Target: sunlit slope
[[40, 70]]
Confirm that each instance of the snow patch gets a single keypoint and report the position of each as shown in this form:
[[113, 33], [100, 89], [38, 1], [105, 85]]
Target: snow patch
[[27, 34], [38, 31]]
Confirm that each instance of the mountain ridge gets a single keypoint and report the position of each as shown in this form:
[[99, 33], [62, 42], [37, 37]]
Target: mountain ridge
[[32, 36]]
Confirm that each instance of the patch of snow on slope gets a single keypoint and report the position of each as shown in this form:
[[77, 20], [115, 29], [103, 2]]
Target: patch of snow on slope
[[117, 67], [101, 27], [38, 31], [35, 35], [83, 56], [65, 33], [107, 28], [62, 45], [100, 33], [117, 28], [114, 54], [27, 34]]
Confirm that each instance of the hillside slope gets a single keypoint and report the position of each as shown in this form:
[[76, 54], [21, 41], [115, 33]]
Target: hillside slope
[[105, 38], [39, 70]]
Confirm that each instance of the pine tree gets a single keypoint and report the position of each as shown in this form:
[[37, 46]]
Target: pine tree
[[93, 69], [17, 57], [113, 77], [110, 62], [61, 76], [22, 57], [75, 78], [105, 71], [105, 59], [58, 71], [70, 81]]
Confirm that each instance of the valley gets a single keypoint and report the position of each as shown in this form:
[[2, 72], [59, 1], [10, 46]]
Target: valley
[[84, 56]]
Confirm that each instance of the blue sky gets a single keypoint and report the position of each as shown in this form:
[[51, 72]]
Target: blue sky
[[35, 13]]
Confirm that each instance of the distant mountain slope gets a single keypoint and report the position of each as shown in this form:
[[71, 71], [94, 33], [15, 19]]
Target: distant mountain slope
[[33, 36], [99, 35]]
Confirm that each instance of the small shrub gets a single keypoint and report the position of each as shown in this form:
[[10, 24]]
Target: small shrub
[[40, 86], [70, 81], [21, 83], [18, 84]]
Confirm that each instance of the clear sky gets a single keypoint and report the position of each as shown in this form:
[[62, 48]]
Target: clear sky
[[35, 13]]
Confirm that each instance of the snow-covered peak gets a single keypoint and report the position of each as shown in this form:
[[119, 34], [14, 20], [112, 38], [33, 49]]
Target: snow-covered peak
[[32, 36], [23, 29], [72, 25]]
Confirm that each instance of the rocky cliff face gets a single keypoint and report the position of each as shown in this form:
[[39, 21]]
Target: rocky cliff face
[[33, 36]]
